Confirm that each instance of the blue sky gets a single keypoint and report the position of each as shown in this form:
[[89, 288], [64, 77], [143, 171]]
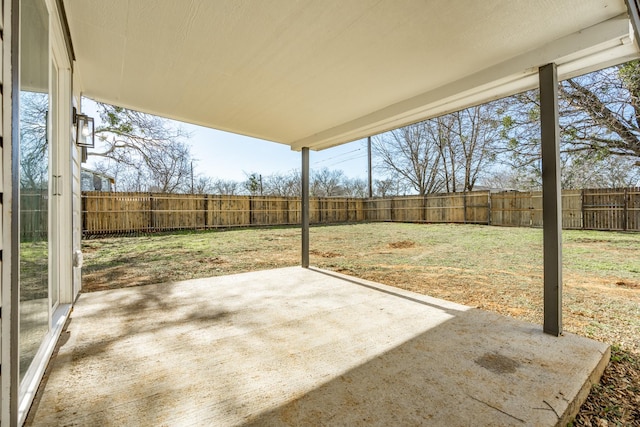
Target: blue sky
[[229, 156], [226, 155]]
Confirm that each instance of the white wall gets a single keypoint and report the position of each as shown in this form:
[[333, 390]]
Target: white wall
[[76, 160]]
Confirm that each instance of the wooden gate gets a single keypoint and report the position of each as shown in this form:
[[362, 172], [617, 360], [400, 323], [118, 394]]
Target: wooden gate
[[611, 209]]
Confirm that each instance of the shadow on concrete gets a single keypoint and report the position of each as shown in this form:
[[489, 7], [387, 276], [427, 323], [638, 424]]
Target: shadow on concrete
[[300, 347]]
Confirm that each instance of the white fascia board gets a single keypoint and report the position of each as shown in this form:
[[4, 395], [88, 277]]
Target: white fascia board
[[593, 48]]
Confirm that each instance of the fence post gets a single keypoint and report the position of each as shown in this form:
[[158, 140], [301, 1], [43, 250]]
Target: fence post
[[392, 210], [464, 206], [346, 208], [489, 207], [206, 210], [582, 218], [287, 218], [151, 213], [83, 207], [624, 212]]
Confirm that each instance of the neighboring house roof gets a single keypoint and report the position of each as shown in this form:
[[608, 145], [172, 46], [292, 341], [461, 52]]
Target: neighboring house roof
[[91, 180], [318, 73]]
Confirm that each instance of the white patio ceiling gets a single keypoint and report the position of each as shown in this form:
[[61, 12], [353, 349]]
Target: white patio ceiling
[[318, 73]]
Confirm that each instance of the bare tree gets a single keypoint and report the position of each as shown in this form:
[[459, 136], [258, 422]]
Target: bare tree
[[602, 111], [170, 168], [355, 187], [389, 187], [323, 183], [34, 160], [469, 141], [411, 154], [384, 187], [580, 170], [505, 179], [327, 182], [442, 130], [202, 185], [226, 187], [152, 147], [283, 184], [584, 171], [599, 123]]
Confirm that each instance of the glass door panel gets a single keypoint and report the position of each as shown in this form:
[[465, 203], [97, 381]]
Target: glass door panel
[[34, 179]]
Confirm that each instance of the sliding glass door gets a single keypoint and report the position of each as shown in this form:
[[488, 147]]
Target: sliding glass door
[[44, 148], [35, 131]]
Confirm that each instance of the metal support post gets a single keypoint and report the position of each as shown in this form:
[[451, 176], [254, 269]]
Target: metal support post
[[369, 167], [551, 199], [305, 207]]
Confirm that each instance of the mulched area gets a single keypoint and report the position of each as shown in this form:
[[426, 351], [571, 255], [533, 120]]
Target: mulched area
[[615, 401]]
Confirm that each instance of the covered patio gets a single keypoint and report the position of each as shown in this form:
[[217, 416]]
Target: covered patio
[[296, 347], [317, 74]]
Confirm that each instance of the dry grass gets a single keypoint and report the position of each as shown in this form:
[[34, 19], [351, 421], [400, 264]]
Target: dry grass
[[497, 269]]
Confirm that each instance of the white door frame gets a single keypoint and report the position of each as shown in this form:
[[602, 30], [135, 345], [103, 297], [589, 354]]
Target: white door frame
[[16, 399]]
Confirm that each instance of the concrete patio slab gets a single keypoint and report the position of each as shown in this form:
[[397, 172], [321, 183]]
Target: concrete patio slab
[[297, 347]]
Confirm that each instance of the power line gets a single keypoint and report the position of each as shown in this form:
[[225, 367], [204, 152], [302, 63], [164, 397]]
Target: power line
[[349, 159], [336, 156]]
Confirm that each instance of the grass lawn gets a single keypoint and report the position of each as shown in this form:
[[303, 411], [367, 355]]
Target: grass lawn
[[494, 268]]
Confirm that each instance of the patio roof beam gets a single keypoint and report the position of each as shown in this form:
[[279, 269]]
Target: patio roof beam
[[305, 207], [605, 44], [551, 199]]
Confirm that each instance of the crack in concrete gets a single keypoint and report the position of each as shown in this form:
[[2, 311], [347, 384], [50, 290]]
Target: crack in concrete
[[552, 408], [498, 409]]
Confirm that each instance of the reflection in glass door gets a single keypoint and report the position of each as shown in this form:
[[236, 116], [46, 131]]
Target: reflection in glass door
[[34, 179]]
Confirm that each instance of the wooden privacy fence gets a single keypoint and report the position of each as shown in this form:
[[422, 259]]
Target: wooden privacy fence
[[106, 213], [109, 213], [615, 209], [524, 209], [34, 216], [611, 209], [465, 208]]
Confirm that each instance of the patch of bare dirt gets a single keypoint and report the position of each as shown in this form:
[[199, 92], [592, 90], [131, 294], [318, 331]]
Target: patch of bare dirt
[[324, 254], [590, 240], [403, 244], [214, 260], [630, 285]]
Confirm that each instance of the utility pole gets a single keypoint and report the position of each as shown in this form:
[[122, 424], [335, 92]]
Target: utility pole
[[369, 169], [192, 177]]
